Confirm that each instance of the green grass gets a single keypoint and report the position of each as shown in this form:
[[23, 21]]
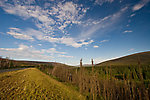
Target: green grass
[[33, 84], [143, 58]]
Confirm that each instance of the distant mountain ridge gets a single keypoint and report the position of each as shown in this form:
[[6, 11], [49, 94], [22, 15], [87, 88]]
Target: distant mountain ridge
[[143, 58]]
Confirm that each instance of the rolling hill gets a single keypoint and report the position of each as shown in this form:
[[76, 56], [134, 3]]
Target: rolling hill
[[143, 58], [6, 63]]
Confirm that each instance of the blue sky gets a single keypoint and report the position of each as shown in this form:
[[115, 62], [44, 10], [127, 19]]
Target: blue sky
[[67, 30]]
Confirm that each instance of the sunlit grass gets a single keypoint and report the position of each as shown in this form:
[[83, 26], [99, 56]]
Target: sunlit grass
[[33, 84]]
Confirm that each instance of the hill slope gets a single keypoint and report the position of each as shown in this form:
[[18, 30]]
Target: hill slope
[[33, 84], [143, 58], [6, 63]]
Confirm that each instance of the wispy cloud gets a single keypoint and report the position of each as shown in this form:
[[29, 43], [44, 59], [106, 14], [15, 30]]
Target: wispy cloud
[[65, 56], [140, 5], [132, 15], [95, 46], [104, 41], [92, 26], [40, 44], [31, 33], [100, 2], [15, 32], [54, 19], [52, 51], [127, 31]]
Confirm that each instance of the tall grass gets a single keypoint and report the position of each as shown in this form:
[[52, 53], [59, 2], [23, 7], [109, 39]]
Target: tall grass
[[107, 82]]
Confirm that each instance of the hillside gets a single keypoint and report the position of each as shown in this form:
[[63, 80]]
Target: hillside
[[33, 84], [6, 63], [143, 58]]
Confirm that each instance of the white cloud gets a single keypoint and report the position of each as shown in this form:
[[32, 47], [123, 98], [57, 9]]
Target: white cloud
[[140, 5], [95, 46], [69, 41], [50, 18], [27, 52], [100, 2], [65, 56], [128, 31], [52, 51], [24, 52], [40, 44], [68, 11], [132, 15], [104, 41], [16, 34], [42, 19]]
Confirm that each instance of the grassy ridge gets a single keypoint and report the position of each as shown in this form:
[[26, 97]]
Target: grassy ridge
[[33, 84], [143, 58]]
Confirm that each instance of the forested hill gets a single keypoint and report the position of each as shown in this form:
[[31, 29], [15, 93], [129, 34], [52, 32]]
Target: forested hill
[[143, 58]]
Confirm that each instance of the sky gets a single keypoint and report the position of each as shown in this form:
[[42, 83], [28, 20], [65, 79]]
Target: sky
[[67, 30]]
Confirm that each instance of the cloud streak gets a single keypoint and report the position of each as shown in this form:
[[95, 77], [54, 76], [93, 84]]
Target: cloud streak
[[65, 56], [101, 2], [92, 26], [104, 41], [16, 34], [95, 46], [140, 5], [128, 31]]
